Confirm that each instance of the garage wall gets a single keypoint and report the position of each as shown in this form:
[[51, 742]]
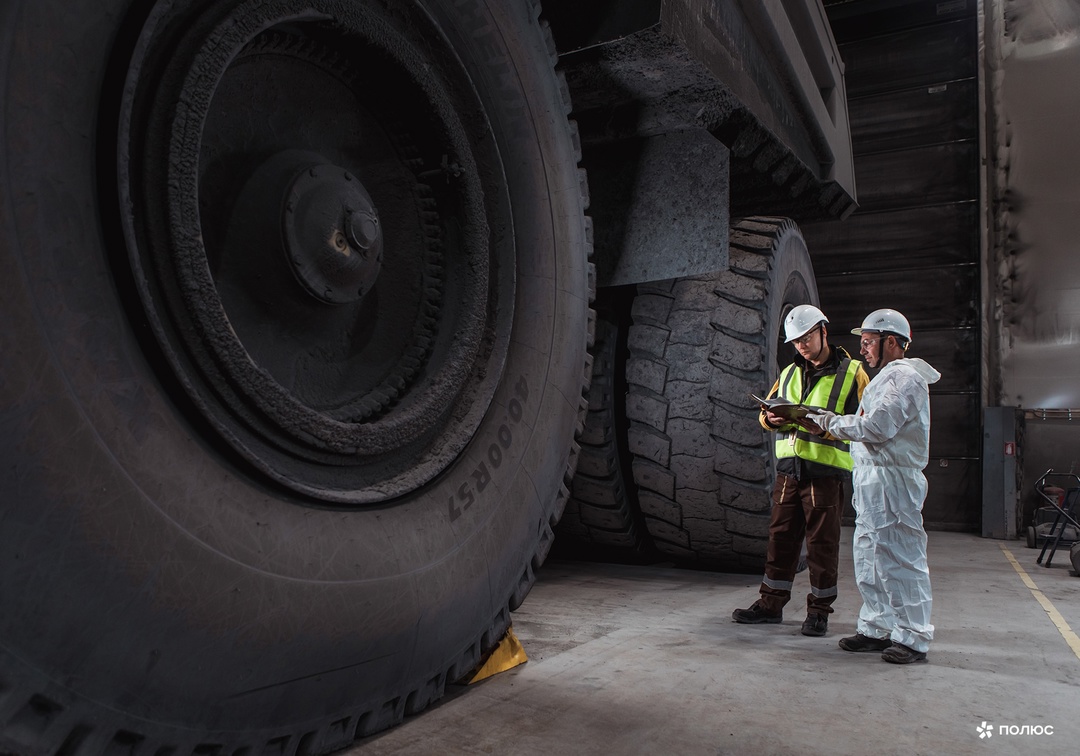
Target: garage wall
[[914, 243], [953, 102], [1033, 314]]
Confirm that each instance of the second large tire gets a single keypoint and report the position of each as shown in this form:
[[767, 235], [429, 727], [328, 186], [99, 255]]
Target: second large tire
[[699, 346], [602, 520]]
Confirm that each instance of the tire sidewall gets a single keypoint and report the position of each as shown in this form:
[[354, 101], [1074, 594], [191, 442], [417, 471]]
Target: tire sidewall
[[793, 279]]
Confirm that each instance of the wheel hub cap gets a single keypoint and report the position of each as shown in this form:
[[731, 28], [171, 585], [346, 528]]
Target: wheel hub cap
[[332, 236]]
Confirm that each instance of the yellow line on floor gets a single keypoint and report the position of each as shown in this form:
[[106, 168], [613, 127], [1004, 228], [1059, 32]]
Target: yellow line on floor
[[1055, 616]]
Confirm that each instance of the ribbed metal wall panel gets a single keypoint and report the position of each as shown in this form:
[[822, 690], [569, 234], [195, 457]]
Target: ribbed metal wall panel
[[913, 244]]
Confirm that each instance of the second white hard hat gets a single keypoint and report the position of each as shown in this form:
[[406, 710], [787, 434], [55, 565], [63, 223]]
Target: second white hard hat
[[885, 321], [801, 320]]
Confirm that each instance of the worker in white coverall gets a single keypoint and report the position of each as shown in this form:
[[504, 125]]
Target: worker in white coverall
[[890, 435]]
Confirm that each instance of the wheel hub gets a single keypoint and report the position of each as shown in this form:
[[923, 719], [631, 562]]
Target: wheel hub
[[332, 236], [345, 336]]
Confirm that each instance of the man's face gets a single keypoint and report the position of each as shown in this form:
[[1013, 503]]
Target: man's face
[[810, 343], [870, 347]]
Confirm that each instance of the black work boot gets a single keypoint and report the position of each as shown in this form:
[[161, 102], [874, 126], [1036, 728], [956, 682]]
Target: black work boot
[[898, 653], [859, 642], [756, 615], [815, 625]]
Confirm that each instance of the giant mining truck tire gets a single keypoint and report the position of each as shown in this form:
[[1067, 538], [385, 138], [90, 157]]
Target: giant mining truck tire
[[602, 520], [698, 347], [295, 318]]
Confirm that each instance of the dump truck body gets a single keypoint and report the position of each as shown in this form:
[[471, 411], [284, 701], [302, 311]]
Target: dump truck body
[[692, 112]]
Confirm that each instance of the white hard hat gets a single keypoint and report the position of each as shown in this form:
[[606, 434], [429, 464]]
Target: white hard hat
[[885, 321], [801, 320]]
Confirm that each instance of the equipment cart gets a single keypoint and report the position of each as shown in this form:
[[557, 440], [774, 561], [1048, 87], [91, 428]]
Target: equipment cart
[[1055, 525]]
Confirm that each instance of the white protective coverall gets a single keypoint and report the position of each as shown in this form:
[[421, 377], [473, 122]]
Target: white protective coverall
[[890, 437]]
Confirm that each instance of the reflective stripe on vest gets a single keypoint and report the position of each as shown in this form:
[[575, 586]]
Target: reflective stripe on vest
[[828, 393]]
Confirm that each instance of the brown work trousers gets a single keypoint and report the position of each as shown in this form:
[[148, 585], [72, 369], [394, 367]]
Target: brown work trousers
[[807, 509]]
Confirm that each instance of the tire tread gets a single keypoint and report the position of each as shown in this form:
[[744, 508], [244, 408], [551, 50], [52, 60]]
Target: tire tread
[[698, 345]]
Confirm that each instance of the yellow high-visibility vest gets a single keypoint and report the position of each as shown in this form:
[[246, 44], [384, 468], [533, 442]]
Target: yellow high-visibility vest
[[828, 393]]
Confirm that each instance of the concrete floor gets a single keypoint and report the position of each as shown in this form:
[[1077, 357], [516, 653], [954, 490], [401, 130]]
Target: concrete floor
[[646, 660]]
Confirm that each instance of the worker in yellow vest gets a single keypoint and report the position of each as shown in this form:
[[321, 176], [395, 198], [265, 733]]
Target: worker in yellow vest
[[811, 469]]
